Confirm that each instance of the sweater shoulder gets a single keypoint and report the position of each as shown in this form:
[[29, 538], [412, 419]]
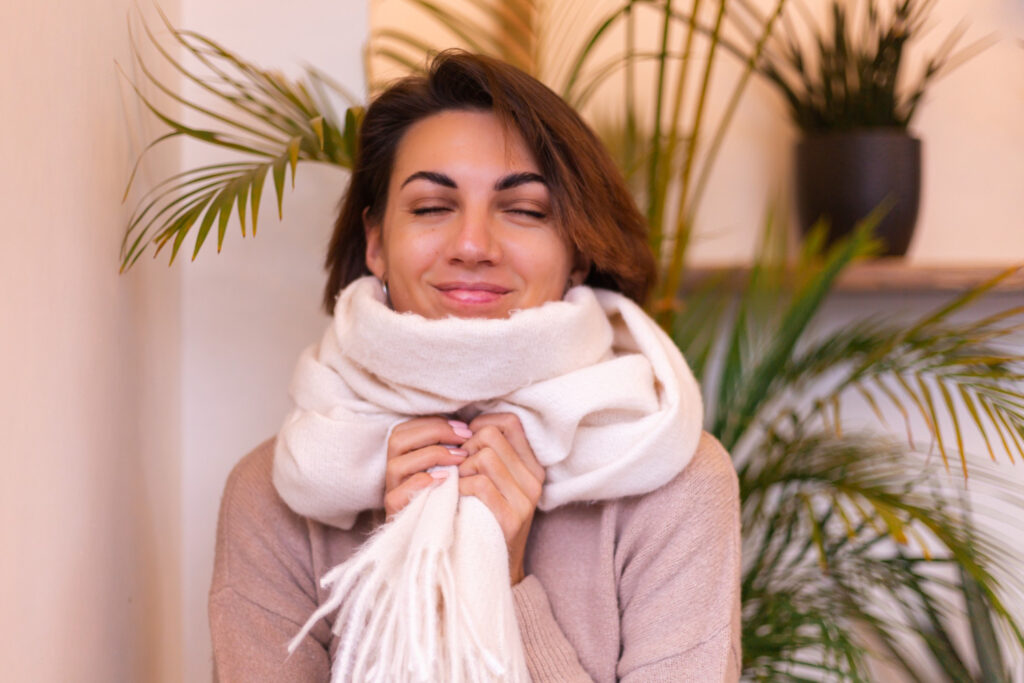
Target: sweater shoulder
[[709, 477], [703, 497], [255, 527], [250, 503], [252, 475]]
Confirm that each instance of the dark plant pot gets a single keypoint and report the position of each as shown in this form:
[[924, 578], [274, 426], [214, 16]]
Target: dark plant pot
[[843, 176]]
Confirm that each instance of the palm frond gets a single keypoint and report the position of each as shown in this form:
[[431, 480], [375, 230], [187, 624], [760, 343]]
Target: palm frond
[[274, 121], [737, 410], [941, 367], [835, 570], [838, 523]]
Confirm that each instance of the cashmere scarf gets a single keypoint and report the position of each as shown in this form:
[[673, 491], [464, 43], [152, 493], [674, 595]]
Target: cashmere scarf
[[606, 401]]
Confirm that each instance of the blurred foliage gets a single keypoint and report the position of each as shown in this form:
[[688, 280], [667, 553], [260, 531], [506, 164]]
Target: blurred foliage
[[850, 74]]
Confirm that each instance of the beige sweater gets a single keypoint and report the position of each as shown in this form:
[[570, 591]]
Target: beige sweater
[[636, 589]]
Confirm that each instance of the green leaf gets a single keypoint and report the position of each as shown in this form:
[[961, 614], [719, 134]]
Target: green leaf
[[243, 196], [983, 633], [279, 169], [224, 203], [181, 227], [259, 176], [353, 119], [795, 320], [204, 229]]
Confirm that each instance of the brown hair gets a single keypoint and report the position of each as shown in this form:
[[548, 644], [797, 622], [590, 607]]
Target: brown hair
[[590, 199]]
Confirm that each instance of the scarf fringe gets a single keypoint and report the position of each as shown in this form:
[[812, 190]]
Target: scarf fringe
[[400, 617]]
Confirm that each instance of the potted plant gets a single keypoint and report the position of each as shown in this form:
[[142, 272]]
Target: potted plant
[[848, 94]]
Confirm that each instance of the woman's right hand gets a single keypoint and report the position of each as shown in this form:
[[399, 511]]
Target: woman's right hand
[[413, 448]]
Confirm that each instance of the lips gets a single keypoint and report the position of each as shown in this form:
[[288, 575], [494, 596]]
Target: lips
[[472, 292]]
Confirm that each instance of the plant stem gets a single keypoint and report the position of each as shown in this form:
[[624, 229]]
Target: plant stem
[[681, 234], [654, 208]]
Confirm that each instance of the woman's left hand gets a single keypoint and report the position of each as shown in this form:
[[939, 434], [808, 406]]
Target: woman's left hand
[[506, 476]]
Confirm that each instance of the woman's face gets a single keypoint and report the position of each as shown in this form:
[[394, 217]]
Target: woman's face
[[467, 230]]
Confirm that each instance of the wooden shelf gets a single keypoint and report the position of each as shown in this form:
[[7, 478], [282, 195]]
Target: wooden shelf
[[884, 275]]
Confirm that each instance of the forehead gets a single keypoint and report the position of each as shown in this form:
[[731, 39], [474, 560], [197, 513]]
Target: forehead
[[472, 141]]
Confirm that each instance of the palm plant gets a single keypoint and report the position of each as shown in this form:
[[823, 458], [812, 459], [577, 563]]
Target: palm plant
[[837, 525], [846, 535]]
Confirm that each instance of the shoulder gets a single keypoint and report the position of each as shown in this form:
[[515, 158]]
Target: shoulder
[[701, 504], [264, 580], [680, 544], [255, 525], [251, 476], [708, 480], [250, 498]]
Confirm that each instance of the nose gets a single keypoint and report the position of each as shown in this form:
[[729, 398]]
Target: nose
[[475, 240]]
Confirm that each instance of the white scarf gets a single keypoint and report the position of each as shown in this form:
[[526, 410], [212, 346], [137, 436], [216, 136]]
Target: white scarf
[[606, 401]]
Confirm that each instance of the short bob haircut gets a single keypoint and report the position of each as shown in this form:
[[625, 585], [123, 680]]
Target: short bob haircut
[[590, 200]]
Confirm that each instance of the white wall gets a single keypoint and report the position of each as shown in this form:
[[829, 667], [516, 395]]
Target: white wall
[[249, 311], [89, 497]]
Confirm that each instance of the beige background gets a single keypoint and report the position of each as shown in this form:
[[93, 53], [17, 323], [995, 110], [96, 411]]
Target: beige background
[[126, 400]]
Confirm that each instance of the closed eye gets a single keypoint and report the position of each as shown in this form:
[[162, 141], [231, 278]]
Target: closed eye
[[538, 215], [428, 210]]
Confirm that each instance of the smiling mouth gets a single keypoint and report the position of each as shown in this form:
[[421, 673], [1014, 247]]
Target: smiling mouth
[[472, 292]]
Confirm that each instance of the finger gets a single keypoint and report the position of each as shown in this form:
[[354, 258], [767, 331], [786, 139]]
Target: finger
[[510, 425], [426, 431], [397, 498], [487, 463], [481, 487], [490, 438], [399, 468]]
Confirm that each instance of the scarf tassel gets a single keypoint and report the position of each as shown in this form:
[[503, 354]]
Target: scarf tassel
[[401, 614]]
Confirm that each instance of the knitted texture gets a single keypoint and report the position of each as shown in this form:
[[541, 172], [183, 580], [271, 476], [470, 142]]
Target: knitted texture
[[605, 399]]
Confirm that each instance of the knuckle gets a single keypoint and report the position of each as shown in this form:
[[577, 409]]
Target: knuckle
[[480, 485], [510, 420], [489, 432], [467, 485]]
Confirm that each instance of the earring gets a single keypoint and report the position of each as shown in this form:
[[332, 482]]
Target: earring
[[387, 294]]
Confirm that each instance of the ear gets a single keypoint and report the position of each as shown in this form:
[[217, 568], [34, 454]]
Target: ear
[[580, 269], [374, 246]]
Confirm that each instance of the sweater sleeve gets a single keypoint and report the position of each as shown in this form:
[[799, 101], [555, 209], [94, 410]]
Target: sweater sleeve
[[679, 589], [549, 655], [263, 586]]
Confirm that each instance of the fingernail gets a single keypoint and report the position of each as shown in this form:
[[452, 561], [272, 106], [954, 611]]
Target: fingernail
[[439, 474], [460, 429], [461, 452]]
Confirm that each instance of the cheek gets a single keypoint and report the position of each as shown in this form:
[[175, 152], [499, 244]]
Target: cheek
[[409, 257], [548, 264]]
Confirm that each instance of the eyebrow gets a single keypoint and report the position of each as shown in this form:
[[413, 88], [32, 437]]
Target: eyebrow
[[517, 179], [505, 183], [430, 176]]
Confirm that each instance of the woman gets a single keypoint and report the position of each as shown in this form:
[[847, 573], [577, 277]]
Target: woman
[[535, 444]]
